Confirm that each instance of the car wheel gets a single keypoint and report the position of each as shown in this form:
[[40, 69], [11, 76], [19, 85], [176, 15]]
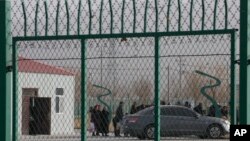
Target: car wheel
[[150, 131], [214, 131]]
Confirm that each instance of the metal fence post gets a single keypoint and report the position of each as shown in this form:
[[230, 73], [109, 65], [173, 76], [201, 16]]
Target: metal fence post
[[14, 92], [233, 109], [5, 97], [8, 23], [244, 68], [157, 90], [3, 71], [83, 91]]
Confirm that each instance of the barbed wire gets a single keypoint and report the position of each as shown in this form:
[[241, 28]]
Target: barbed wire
[[70, 17]]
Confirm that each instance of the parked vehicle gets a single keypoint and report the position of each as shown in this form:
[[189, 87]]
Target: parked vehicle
[[175, 121]]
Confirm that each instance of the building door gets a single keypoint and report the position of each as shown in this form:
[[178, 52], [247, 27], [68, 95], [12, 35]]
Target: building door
[[26, 94], [40, 116]]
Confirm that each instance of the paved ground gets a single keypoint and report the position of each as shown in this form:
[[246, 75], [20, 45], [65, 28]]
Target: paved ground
[[110, 138], [122, 139], [77, 137]]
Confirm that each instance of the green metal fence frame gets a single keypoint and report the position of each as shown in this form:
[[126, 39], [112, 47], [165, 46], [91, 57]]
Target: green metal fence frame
[[156, 36], [123, 2], [244, 63], [3, 107], [5, 71]]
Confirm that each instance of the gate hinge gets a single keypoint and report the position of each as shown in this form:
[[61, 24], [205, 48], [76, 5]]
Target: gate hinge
[[9, 68], [238, 62]]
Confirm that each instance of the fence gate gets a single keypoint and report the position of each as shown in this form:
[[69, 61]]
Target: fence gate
[[82, 69]]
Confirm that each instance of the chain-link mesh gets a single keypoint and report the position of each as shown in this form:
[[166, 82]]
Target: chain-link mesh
[[120, 72], [183, 56], [47, 89], [129, 75]]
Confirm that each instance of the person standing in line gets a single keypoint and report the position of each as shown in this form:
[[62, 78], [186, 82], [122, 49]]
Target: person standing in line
[[92, 125], [105, 122], [224, 112], [199, 108], [97, 119], [133, 108], [118, 118], [163, 102], [187, 104]]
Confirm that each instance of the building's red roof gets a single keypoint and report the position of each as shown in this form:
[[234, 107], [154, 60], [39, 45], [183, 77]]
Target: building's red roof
[[31, 66]]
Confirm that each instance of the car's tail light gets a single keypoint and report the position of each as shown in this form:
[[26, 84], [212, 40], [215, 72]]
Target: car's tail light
[[133, 119]]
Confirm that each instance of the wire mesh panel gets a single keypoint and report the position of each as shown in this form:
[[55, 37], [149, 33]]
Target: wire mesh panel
[[195, 73], [120, 72], [48, 90], [120, 81], [182, 56]]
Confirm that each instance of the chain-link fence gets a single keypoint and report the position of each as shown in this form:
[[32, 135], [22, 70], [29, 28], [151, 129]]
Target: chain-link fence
[[137, 55], [121, 72], [130, 77], [46, 88], [84, 17]]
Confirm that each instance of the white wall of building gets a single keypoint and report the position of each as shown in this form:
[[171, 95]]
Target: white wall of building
[[61, 123]]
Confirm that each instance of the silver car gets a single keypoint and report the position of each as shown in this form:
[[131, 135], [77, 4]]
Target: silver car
[[175, 121]]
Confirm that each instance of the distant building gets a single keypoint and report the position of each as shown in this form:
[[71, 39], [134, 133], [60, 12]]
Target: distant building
[[45, 99]]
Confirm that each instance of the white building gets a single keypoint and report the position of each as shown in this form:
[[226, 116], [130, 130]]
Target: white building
[[45, 99]]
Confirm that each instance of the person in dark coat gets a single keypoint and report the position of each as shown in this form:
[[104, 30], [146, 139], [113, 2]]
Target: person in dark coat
[[105, 122], [224, 112], [211, 111], [140, 107], [118, 118], [163, 102], [199, 109], [187, 104], [97, 119], [91, 111], [133, 108]]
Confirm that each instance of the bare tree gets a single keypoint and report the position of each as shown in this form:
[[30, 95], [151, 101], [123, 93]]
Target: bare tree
[[195, 82], [143, 89]]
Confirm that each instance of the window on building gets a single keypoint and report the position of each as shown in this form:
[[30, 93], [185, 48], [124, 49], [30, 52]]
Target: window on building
[[59, 100]]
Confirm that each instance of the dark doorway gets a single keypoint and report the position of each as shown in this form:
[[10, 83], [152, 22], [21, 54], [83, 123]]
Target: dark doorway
[[27, 93], [40, 116]]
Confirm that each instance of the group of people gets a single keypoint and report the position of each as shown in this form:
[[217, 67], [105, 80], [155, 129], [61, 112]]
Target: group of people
[[224, 110], [135, 108], [99, 120], [212, 110]]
